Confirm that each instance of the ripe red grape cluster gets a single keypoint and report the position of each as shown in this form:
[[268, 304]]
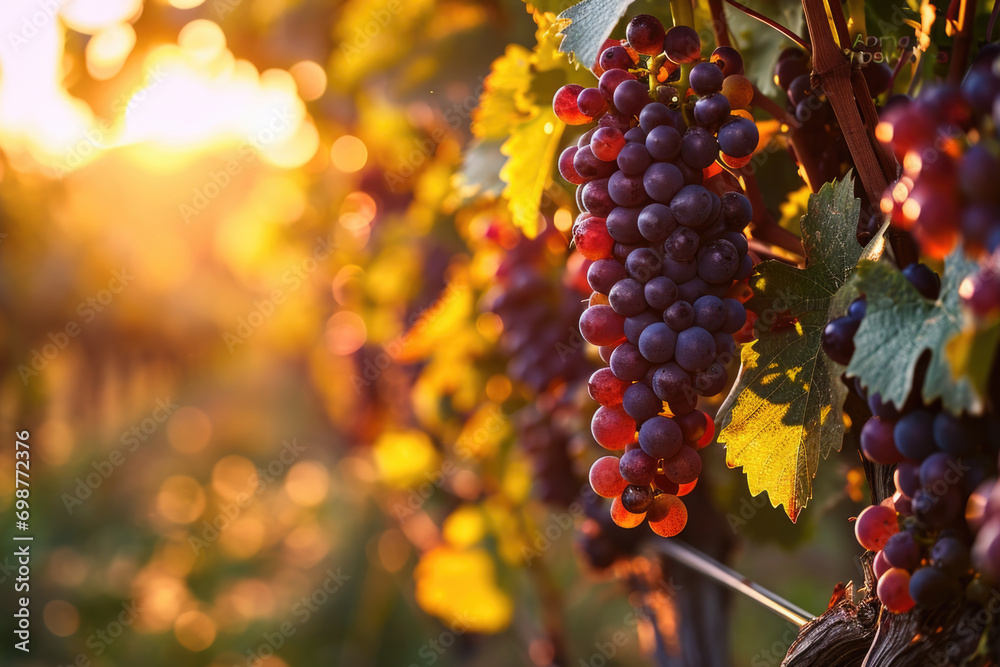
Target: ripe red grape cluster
[[663, 224], [946, 142], [921, 535]]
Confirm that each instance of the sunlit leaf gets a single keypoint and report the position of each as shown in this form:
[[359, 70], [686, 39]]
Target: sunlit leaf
[[901, 325], [530, 152], [459, 586], [970, 353], [402, 457], [785, 411], [591, 22]]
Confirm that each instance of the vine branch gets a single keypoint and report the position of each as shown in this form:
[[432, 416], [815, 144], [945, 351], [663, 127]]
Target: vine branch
[[774, 24]]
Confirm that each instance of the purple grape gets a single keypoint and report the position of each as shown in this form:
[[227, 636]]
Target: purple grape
[[627, 363], [712, 380], [634, 159], [736, 211], [643, 264], [706, 78], [663, 143], [902, 550], [645, 34], [626, 298], [680, 271], [656, 223], [603, 274], [718, 262], [623, 224], [691, 206], [682, 244], [695, 349], [711, 110], [626, 190], [637, 467], [616, 57], [914, 435], [738, 137], [657, 343], [662, 181], [838, 339], [671, 382], [660, 292], [679, 316], [736, 316], [637, 498], [709, 312], [597, 199], [634, 326], [699, 147], [640, 403], [660, 437], [630, 97]]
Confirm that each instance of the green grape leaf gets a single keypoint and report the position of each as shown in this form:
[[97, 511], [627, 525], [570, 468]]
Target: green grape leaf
[[591, 22], [785, 411], [901, 325]]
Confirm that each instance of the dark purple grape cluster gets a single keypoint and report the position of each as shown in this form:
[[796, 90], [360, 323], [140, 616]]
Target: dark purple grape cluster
[[539, 316], [544, 433], [946, 140], [920, 535], [664, 226]]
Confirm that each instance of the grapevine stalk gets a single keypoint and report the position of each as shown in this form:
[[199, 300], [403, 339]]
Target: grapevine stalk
[[774, 24]]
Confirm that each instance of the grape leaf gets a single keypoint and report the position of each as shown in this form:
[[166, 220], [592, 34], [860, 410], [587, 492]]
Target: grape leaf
[[785, 411], [480, 174], [591, 23], [530, 152], [900, 325], [970, 352]]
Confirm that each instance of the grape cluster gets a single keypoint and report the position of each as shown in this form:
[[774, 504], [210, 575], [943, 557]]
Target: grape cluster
[[946, 141], [544, 433], [539, 317], [664, 226], [920, 535]]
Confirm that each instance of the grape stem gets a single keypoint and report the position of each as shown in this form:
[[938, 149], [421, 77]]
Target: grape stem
[[720, 26], [963, 42], [774, 24], [682, 13], [713, 569]]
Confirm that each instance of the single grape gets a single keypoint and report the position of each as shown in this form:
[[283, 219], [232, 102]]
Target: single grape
[[663, 143], [683, 467], [622, 517], [627, 363], [623, 224], [718, 262], [591, 103], [725, 346], [640, 403], [695, 349], [682, 244], [607, 143], [612, 428], [877, 442], [662, 181], [655, 222], [902, 550], [939, 471], [671, 382], [657, 343], [699, 147], [601, 325], [951, 556], [931, 587], [589, 167], [924, 280], [894, 590], [793, 65], [736, 211], [643, 264], [626, 190], [637, 467], [660, 292], [709, 312], [605, 388], [616, 57], [564, 103], [682, 45], [878, 76], [738, 137], [880, 565], [605, 479], [604, 273], [736, 316], [738, 90], [882, 409], [857, 309], [656, 114], [626, 298], [631, 96], [692, 206], [838, 339], [906, 477], [679, 316], [667, 515], [874, 526], [986, 549], [566, 168], [637, 499], [914, 435], [728, 59], [936, 511], [711, 110], [634, 159], [951, 434], [645, 34], [597, 199], [660, 437]]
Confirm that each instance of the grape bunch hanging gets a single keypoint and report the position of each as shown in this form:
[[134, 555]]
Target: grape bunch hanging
[[940, 531], [663, 224]]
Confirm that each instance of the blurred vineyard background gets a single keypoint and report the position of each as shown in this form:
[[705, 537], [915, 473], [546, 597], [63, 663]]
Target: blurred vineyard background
[[264, 312]]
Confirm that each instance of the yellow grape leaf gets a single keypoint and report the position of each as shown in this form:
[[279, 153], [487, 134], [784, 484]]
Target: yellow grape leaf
[[503, 103], [970, 349], [402, 457], [438, 322], [785, 411], [530, 153]]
